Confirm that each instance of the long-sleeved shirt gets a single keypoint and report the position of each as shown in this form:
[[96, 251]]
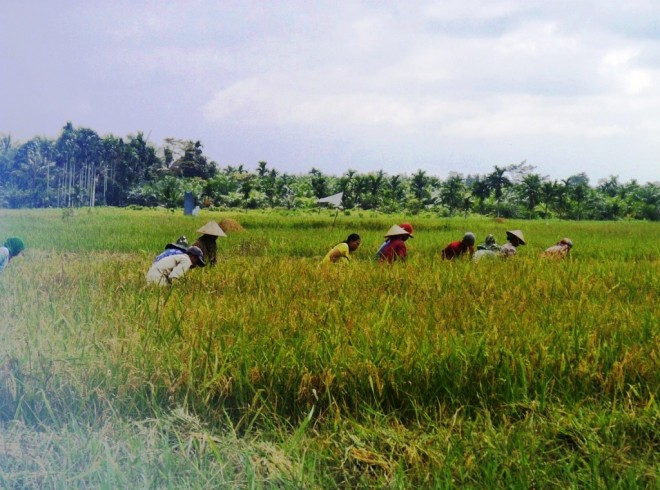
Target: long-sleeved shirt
[[558, 251], [456, 249], [394, 250], [380, 249], [168, 252], [168, 269]]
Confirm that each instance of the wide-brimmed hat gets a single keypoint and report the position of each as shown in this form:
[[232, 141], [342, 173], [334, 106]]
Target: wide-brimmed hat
[[518, 234], [211, 228], [197, 252], [181, 244], [396, 230], [408, 227]]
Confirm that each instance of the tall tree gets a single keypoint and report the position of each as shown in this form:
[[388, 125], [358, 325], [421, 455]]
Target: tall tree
[[346, 185], [466, 203], [576, 179], [268, 186], [547, 196], [319, 183], [481, 191], [648, 202], [7, 151], [610, 187], [529, 191], [112, 191], [88, 154], [284, 190], [34, 173], [498, 183], [452, 193], [65, 158], [261, 169], [395, 190], [373, 196], [419, 185], [579, 194], [189, 159]]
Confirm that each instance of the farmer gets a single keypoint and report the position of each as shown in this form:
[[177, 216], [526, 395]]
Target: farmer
[[460, 248], [211, 231], [178, 247], [406, 226], [515, 238], [489, 244], [173, 267], [487, 249], [560, 250], [395, 249], [340, 253], [13, 246]]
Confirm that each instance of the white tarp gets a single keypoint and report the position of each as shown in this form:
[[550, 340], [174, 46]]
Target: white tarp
[[334, 200]]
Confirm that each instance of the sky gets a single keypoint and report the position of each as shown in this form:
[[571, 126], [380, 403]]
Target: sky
[[400, 86]]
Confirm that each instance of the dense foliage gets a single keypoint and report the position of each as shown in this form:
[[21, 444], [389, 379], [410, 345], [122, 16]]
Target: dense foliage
[[80, 168]]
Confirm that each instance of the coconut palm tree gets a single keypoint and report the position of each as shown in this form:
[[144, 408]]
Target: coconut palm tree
[[418, 185], [529, 191], [451, 193], [481, 191], [498, 184]]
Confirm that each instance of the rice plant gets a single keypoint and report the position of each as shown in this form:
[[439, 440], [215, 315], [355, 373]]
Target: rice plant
[[269, 370]]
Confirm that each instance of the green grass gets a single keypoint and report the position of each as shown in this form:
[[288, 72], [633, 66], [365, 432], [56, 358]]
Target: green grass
[[269, 370]]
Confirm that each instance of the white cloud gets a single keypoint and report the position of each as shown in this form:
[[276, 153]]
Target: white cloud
[[465, 9], [172, 60], [440, 74], [620, 65]]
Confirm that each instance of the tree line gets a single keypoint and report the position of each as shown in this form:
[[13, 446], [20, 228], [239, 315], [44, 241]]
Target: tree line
[[80, 168]]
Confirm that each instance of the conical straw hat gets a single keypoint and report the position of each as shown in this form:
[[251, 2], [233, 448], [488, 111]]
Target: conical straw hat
[[518, 234], [211, 228], [395, 231]]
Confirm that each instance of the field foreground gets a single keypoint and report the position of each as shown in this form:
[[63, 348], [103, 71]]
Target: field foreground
[[269, 370]]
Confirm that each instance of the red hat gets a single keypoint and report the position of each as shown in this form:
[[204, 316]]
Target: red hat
[[408, 227]]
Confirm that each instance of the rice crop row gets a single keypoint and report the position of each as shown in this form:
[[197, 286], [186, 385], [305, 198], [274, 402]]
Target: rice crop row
[[524, 372]]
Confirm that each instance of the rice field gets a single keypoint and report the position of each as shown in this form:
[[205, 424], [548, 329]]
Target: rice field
[[271, 371]]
